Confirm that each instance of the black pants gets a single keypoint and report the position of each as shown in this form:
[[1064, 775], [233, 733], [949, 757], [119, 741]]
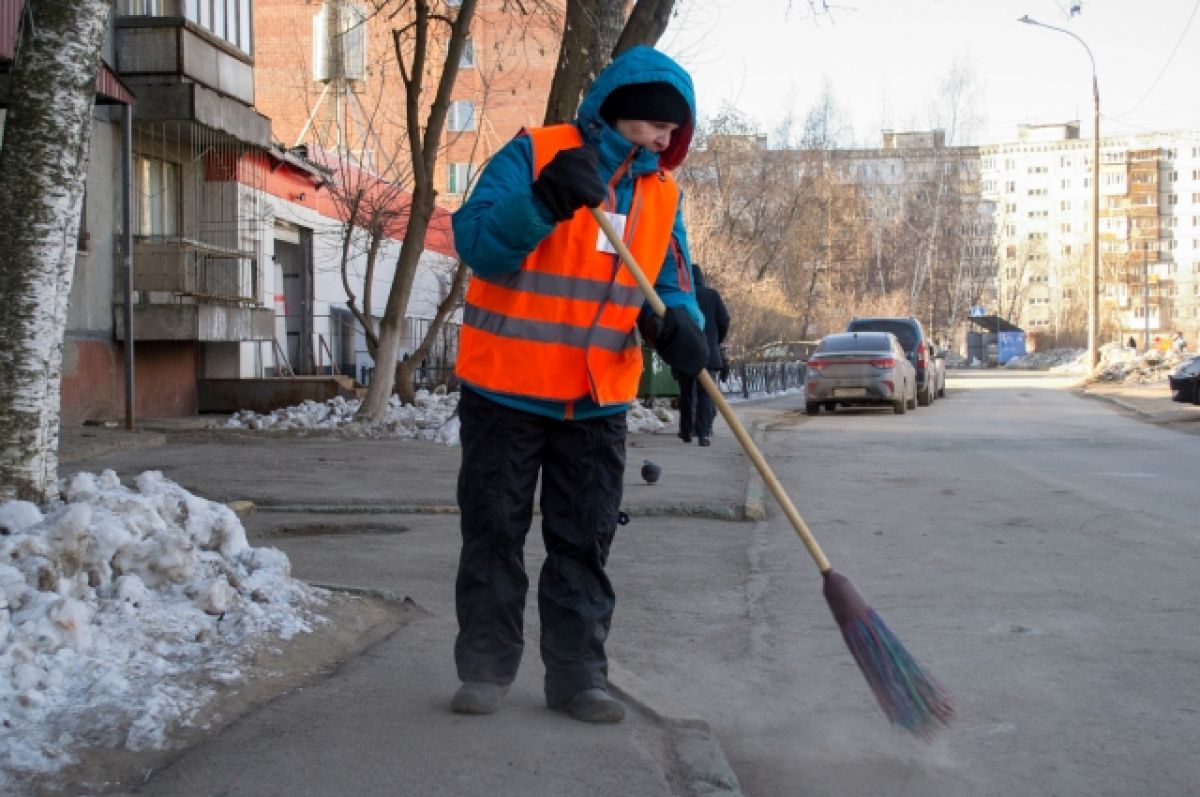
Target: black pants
[[582, 467], [696, 408]]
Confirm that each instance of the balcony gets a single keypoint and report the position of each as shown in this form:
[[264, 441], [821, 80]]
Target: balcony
[[187, 267], [192, 290], [182, 67]]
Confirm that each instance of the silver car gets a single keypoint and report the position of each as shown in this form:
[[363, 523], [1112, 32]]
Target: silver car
[[850, 368]]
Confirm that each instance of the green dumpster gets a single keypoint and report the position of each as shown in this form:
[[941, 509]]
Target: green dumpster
[[656, 381]]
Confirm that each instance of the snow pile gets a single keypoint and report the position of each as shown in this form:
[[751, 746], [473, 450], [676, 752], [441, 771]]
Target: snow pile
[[1117, 363], [1065, 361], [430, 418], [122, 612], [1121, 364], [655, 418]]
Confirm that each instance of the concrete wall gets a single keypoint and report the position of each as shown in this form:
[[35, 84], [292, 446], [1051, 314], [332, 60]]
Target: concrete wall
[[328, 291], [93, 385]]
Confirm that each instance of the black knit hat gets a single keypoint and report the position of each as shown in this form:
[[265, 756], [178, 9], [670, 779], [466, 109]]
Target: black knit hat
[[649, 102]]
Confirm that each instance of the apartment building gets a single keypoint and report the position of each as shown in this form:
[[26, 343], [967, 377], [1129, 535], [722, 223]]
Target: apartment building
[[925, 211], [1149, 231], [327, 76], [230, 234]]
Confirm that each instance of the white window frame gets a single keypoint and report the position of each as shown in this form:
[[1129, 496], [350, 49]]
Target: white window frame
[[458, 177], [467, 59], [460, 117], [157, 196]]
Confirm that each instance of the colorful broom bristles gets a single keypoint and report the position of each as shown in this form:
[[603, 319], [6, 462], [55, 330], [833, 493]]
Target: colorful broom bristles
[[909, 696]]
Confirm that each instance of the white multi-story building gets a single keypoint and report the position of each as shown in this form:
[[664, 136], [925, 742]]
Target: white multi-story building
[[1149, 232]]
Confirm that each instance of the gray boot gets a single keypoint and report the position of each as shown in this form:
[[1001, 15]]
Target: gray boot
[[595, 705], [477, 697]]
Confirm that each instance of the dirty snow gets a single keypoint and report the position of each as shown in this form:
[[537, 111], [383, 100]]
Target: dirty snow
[[430, 418], [122, 611], [1117, 363]]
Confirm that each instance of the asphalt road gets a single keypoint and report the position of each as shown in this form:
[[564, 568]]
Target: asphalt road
[[1036, 550]]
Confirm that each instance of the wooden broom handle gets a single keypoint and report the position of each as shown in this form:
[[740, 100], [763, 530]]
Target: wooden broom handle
[[714, 392]]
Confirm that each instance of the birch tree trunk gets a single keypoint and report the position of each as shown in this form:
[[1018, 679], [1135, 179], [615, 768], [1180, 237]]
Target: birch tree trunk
[[43, 166]]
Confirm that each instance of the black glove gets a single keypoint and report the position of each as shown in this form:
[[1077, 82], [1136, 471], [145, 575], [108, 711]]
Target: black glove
[[570, 181], [677, 339]]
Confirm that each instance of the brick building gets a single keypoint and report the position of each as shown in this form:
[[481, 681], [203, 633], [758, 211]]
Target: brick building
[[355, 101]]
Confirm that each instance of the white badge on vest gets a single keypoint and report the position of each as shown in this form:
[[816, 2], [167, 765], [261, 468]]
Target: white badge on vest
[[617, 220]]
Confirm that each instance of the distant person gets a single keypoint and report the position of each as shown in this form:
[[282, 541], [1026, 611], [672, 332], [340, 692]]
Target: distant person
[[1132, 342], [696, 408], [1178, 344]]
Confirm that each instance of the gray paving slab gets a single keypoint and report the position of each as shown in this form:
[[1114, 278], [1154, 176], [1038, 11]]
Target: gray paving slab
[[376, 515]]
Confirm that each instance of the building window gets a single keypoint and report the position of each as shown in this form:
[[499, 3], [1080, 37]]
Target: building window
[[156, 196], [141, 8], [461, 117], [467, 59], [458, 178], [230, 20]]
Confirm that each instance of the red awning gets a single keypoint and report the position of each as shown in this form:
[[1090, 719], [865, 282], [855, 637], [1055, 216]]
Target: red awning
[[110, 89]]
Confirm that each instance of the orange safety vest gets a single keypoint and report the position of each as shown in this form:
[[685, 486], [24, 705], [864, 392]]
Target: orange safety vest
[[562, 326]]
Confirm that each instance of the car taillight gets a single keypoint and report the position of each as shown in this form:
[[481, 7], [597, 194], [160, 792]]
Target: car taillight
[[921, 354], [817, 365], [884, 362]]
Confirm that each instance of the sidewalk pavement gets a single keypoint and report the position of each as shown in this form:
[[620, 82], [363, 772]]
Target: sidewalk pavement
[[378, 517], [1150, 403]]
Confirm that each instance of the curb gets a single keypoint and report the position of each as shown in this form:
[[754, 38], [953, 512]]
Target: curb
[[754, 506], [1114, 400], [1161, 417], [702, 764], [709, 511]]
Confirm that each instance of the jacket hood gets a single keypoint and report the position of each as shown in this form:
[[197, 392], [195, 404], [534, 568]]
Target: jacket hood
[[642, 64]]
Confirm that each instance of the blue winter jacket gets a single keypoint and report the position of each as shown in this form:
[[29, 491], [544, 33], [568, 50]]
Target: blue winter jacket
[[502, 222]]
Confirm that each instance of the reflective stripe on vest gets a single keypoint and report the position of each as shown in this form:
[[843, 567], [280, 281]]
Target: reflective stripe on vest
[[562, 326]]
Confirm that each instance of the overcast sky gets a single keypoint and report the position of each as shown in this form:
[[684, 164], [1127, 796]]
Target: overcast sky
[[885, 58]]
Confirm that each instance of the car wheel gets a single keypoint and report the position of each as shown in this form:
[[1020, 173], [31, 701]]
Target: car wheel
[[912, 402], [900, 406], [925, 397], [812, 408], [830, 406]]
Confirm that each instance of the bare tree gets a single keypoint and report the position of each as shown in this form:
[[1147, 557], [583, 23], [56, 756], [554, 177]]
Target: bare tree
[[956, 106], [411, 45], [594, 32], [43, 167]]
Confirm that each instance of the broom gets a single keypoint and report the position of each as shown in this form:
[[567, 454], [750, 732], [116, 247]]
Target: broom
[[909, 696]]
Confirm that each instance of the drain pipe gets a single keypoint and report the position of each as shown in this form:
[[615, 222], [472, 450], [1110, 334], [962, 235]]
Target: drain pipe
[[127, 255]]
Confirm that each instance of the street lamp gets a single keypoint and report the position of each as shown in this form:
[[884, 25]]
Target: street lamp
[[1094, 314]]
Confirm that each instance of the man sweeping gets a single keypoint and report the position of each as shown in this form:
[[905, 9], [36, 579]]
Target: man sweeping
[[550, 361]]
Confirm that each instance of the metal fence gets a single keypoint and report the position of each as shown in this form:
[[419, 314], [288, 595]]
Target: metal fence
[[426, 377], [745, 379], [759, 378]]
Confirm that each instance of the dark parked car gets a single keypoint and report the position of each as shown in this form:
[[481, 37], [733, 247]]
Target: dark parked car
[[926, 359], [851, 368], [1185, 382]]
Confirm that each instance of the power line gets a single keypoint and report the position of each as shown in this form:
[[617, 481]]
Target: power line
[[1162, 71]]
